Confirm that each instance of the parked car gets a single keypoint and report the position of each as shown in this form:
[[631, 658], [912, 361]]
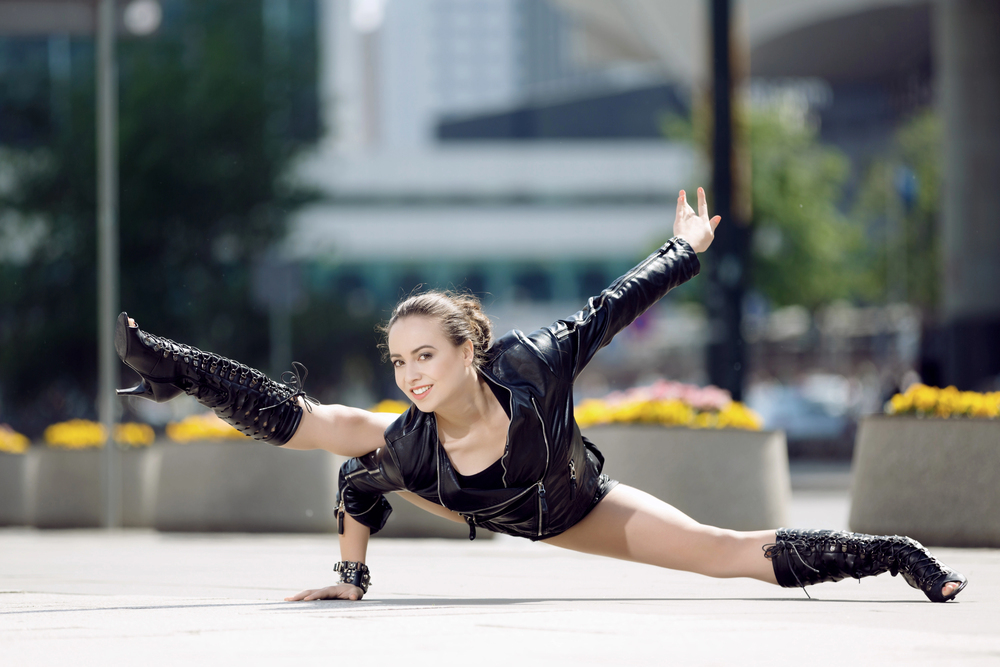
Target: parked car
[[813, 430]]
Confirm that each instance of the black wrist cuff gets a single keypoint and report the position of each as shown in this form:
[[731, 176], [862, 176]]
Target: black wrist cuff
[[354, 573]]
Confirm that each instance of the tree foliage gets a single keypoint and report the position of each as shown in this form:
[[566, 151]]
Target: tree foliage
[[207, 112], [803, 244], [899, 202]]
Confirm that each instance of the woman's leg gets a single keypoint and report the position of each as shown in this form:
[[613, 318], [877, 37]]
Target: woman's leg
[[632, 525]]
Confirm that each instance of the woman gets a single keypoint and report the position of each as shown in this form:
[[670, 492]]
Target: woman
[[490, 439]]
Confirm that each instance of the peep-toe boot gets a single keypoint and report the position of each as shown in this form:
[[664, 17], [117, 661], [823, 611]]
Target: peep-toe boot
[[803, 557], [242, 396]]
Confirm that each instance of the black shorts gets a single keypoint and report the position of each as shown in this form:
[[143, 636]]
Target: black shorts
[[604, 486]]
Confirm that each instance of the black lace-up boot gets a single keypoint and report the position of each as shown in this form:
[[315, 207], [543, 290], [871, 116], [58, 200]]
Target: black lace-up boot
[[803, 557], [242, 396]]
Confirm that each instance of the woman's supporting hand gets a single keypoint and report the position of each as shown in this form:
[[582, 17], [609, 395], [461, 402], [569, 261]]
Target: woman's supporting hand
[[335, 592], [695, 228]]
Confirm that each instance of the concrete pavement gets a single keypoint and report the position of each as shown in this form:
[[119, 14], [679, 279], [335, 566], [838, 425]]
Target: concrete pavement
[[141, 597]]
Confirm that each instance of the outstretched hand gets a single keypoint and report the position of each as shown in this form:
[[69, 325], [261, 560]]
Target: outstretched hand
[[695, 228], [335, 592]]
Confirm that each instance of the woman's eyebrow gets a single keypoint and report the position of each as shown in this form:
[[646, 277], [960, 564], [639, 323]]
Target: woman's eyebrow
[[414, 351]]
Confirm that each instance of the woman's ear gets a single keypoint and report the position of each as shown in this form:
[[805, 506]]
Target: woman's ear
[[468, 352]]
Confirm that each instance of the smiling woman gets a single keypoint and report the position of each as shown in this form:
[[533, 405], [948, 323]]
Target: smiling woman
[[491, 439]]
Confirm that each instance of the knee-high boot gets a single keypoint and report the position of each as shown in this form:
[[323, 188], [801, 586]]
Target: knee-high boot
[[803, 557], [242, 396]]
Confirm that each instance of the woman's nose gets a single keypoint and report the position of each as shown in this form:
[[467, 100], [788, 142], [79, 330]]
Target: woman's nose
[[411, 373]]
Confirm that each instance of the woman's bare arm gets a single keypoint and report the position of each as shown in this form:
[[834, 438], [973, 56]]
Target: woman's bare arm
[[428, 506], [341, 430], [353, 547]]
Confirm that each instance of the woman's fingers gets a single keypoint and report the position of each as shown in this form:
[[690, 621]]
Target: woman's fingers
[[715, 221], [680, 205], [702, 203], [298, 596], [341, 592]]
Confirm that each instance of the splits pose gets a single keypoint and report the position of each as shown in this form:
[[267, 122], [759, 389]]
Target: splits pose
[[490, 439]]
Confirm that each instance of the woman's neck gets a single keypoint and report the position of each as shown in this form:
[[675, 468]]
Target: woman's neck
[[475, 407]]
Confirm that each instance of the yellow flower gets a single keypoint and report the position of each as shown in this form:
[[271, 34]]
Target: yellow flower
[[389, 405], [591, 412], [12, 442], [945, 403], [134, 434], [86, 434], [901, 403], [75, 434], [924, 398], [703, 420], [206, 426], [666, 411], [737, 415]]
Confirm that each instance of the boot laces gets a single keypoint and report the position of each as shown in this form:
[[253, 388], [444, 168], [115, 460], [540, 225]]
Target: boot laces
[[291, 385], [296, 382], [896, 553]]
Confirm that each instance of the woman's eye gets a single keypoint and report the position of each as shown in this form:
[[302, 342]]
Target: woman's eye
[[398, 363], [425, 356]]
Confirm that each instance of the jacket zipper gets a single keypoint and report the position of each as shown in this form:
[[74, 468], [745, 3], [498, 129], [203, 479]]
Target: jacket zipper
[[510, 411], [572, 479], [543, 507], [342, 512], [470, 517]]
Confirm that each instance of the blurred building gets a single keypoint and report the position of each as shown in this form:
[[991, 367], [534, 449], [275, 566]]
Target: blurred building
[[514, 146], [538, 226]]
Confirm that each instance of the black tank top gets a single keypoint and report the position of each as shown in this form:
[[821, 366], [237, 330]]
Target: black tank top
[[491, 478]]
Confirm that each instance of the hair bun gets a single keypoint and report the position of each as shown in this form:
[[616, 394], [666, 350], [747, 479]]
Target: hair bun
[[461, 317]]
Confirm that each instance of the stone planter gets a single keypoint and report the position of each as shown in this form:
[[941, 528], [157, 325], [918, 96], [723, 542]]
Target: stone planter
[[66, 489], [245, 486], [728, 478], [15, 475], [250, 487], [936, 480]]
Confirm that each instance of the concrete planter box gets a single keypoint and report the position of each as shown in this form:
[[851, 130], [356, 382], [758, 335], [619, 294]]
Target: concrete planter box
[[247, 486], [728, 478], [15, 475], [244, 486], [66, 489], [936, 480]]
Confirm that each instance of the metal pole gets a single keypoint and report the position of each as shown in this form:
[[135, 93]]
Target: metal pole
[[107, 254], [728, 270]]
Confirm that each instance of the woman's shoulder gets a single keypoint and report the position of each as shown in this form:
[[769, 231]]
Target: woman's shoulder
[[411, 423], [517, 347]]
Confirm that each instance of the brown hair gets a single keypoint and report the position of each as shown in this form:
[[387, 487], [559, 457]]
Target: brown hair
[[461, 317]]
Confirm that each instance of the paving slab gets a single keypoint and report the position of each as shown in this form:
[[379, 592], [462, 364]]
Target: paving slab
[[140, 597]]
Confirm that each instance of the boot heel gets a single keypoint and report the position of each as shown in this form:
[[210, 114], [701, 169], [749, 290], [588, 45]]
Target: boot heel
[[155, 391]]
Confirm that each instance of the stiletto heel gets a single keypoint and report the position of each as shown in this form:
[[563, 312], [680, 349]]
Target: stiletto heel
[[155, 391], [141, 389]]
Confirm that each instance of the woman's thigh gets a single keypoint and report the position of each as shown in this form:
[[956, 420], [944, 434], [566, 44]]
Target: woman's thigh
[[630, 524]]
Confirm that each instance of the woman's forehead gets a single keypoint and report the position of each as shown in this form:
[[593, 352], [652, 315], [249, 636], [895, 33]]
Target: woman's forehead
[[415, 327]]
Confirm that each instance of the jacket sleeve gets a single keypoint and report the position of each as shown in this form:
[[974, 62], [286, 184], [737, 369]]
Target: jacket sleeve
[[364, 481], [574, 341]]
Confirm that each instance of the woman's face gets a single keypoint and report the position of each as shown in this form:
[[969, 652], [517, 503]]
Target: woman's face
[[429, 369]]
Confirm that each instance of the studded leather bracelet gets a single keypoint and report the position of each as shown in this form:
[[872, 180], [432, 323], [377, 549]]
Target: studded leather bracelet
[[354, 573]]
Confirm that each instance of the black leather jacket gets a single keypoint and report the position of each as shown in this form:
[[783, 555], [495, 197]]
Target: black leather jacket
[[551, 472]]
